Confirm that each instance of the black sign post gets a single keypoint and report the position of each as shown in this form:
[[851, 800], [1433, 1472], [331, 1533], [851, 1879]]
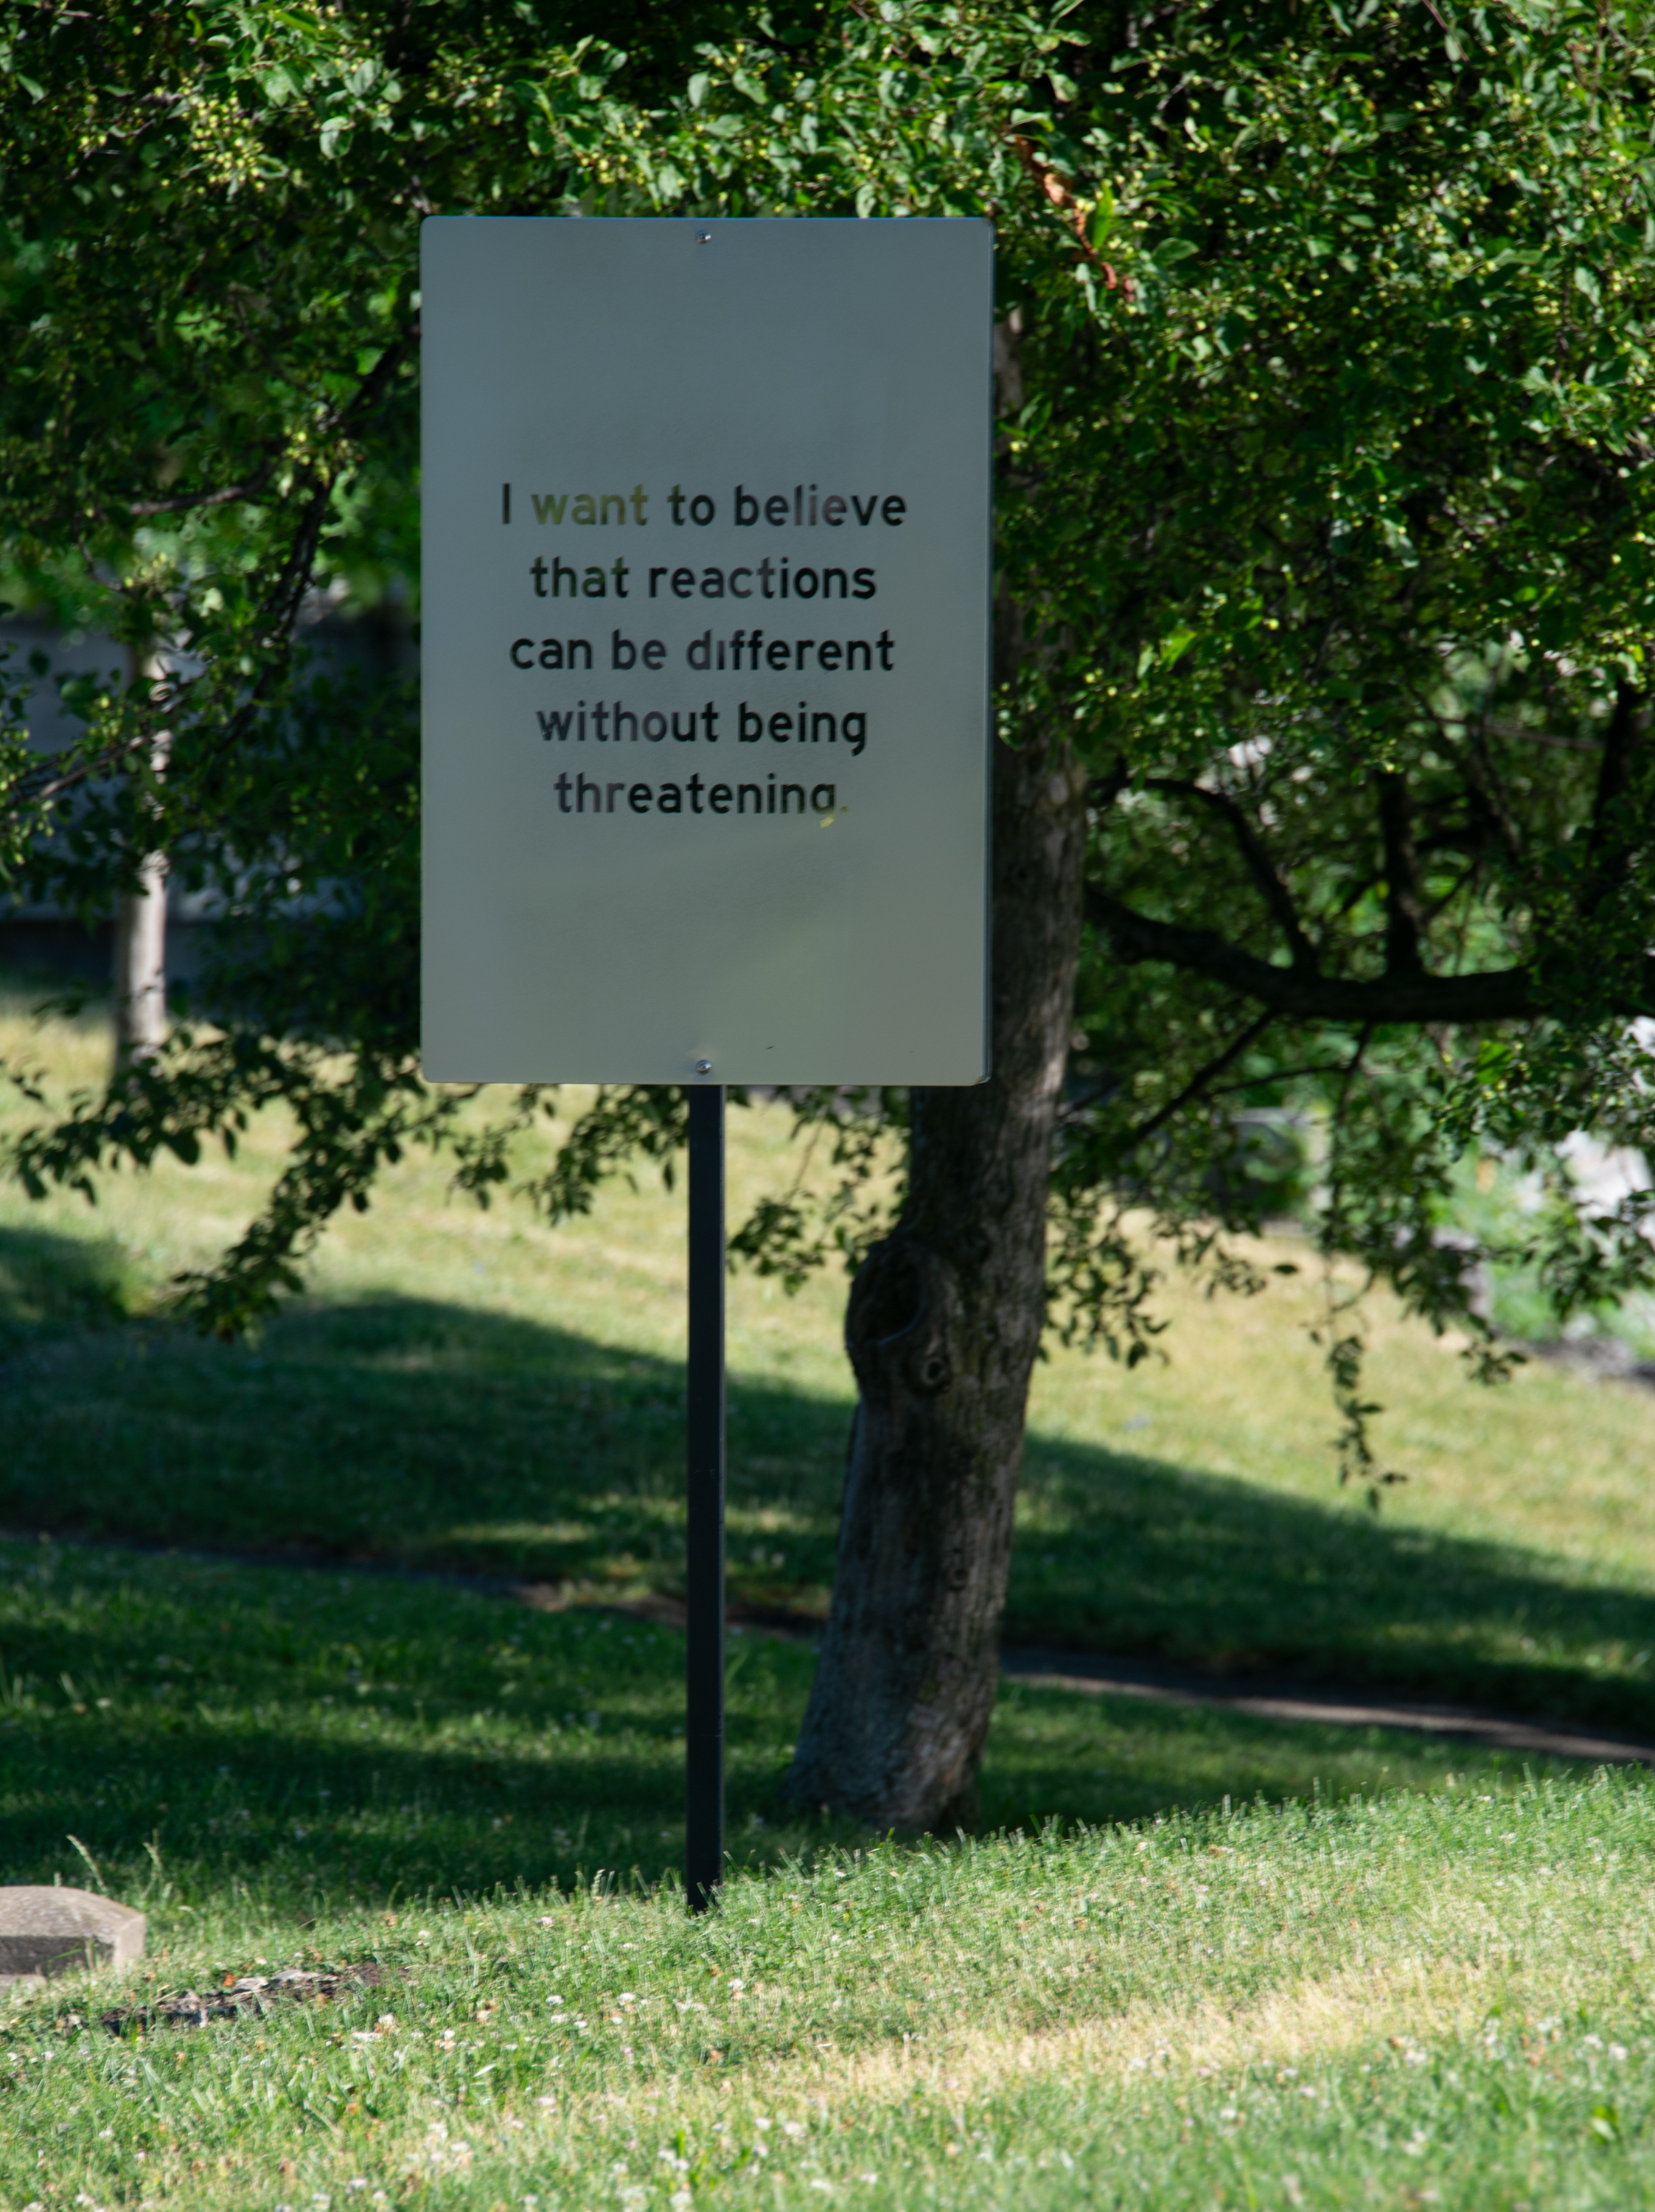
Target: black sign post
[[705, 645], [704, 1805]]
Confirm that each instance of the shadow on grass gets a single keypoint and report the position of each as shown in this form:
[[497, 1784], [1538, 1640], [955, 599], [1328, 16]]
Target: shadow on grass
[[307, 1740], [298, 1735], [423, 1434], [49, 1284]]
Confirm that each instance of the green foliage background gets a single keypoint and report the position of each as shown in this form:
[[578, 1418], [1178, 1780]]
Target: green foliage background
[[1324, 494]]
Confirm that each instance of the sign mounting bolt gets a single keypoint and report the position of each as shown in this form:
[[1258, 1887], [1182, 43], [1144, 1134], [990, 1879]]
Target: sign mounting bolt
[[704, 1067], [703, 238]]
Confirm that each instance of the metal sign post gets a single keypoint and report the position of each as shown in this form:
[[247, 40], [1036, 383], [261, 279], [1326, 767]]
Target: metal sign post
[[704, 1793], [704, 677]]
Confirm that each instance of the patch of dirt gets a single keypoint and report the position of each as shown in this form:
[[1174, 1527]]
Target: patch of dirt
[[245, 1993]]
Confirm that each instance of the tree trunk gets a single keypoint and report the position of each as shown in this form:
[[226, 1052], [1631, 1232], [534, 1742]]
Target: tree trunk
[[943, 1327], [141, 929], [141, 964]]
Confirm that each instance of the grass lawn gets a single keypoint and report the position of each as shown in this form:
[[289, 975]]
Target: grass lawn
[[1191, 1960], [1426, 1970]]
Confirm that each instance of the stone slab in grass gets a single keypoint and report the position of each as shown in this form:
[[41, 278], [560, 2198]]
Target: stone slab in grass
[[47, 1931]]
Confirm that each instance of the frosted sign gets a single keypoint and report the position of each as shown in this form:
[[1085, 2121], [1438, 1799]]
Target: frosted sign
[[705, 650]]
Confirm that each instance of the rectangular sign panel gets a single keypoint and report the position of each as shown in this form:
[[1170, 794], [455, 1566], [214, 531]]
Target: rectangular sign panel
[[705, 650]]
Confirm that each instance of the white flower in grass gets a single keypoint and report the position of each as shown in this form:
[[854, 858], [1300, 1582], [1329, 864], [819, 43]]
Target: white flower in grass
[[442, 2156], [792, 2127], [1617, 2051], [681, 2200]]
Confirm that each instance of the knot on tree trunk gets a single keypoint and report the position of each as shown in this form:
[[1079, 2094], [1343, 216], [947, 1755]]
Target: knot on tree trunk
[[900, 1324]]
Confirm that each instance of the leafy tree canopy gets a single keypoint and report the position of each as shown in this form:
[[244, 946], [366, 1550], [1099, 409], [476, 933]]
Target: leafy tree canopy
[[1324, 535]]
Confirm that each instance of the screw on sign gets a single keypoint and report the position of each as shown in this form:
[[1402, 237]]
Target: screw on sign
[[770, 464]]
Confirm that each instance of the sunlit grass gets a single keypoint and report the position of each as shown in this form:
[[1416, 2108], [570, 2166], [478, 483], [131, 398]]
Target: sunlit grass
[[1441, 2001], [482, 1801]]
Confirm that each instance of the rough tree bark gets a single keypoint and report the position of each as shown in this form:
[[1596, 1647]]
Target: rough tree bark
[[943, 1327]]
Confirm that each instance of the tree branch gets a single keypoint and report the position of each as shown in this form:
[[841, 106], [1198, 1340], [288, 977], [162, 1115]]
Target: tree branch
[[1198, 1083], [1276, 897], [190, 501], [1504, 995], [1278, 1075]]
